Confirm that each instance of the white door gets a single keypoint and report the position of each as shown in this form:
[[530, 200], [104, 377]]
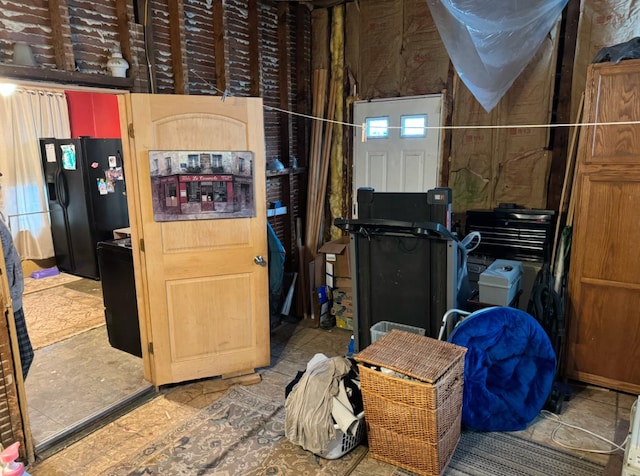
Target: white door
[[397, 151]]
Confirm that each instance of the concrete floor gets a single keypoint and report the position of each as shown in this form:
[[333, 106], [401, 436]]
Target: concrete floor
[[292, 345], [82, 365]]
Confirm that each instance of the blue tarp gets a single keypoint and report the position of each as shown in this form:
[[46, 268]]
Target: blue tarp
[[509, 368]]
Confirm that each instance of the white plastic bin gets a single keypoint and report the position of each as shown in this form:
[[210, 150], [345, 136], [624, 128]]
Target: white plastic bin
[[383, 327], [500, 282]]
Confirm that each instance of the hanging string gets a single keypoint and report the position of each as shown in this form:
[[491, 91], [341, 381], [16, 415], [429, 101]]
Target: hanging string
[[226, 93], [509, 126]]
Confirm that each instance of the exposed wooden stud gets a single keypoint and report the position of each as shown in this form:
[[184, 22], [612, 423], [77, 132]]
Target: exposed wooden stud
[[176, 38], [283, 77], [351, 84], [565, 208], [303, 275], [288, 218], [319, 95], [122, 14], [326, 158], [563, 115], [311, 170], [447, 135], [144, 11], [315, 194], [61, 35], [302, 86], [320, 38], [352, 54], [218, 34], [255, 84]]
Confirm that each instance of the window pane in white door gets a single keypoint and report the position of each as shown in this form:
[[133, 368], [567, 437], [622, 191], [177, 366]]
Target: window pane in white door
[[377, 127], [414, 126]]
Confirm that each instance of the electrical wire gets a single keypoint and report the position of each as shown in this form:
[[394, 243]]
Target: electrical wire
[[146, 47], [615, 447]]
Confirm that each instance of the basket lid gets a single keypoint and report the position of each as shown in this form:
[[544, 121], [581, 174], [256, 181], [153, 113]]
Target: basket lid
[[420, 357]]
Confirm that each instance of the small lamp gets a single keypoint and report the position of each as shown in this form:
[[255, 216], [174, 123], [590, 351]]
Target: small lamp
[[7, 89]]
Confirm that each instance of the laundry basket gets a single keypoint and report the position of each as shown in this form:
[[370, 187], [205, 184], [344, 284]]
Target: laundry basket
[[382, 328], [343, 443]]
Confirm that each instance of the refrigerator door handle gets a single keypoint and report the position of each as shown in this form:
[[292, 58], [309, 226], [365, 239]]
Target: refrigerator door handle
[[61, 185]]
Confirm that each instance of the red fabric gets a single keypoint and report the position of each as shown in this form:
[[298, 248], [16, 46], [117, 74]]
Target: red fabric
[[93, 114]]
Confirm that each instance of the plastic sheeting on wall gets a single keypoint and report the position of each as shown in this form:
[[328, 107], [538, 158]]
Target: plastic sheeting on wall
[[490, 42]]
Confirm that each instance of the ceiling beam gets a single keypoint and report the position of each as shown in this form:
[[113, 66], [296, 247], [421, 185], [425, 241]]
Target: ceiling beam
[[124, 21], [564, 75], [255, 83], [176, 37], [219, 51], [61, 35], [283, 79]]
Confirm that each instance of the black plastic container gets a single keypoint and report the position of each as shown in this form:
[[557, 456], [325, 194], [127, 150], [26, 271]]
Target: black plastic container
[[115, 259]]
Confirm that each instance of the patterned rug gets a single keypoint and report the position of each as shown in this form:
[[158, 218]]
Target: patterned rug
[[59, 313], [32, 285], [242, 433], [504, 454]]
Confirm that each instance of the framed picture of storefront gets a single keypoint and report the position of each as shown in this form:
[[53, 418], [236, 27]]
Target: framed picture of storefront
[[201, 185]]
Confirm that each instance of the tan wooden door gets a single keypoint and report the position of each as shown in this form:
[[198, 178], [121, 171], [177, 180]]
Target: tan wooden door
[[202, 290], [604, 283]]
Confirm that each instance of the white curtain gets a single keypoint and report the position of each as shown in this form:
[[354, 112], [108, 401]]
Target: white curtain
[[26, 116]]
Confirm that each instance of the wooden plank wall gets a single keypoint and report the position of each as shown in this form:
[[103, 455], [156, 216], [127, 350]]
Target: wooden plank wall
[[200, 43], [94, 33]]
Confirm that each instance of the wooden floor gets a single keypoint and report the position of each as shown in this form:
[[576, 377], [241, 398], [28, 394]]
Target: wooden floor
[[599, 410]]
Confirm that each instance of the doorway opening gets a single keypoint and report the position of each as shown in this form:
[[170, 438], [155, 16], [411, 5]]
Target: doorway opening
[[77, 380]]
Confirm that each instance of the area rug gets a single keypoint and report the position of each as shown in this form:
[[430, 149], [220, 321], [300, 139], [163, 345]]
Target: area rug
[[59, 313], [240, 434], [32, 285], [504, 454]]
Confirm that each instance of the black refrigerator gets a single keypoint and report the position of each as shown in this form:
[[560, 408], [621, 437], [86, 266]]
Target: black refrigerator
[[85, 184]]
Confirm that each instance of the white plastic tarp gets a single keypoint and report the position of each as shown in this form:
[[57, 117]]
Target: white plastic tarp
[[490, 42]]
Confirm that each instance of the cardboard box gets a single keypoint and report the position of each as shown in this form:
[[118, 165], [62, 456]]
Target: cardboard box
[[343, 284], [337, 257], [119, 233]]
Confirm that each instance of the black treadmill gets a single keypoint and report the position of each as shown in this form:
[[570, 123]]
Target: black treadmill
[[405, 260]]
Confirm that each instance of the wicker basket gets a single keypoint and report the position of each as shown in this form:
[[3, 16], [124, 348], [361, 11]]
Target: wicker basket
[[412, 423]]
